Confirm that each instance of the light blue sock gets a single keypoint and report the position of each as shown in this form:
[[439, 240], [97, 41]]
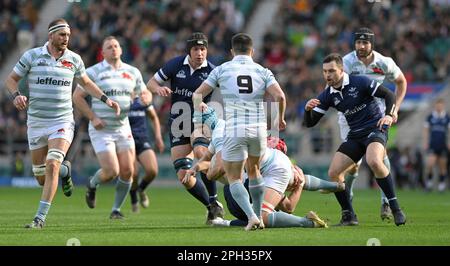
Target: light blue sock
[[313, 183], [240, 195], [282, 219], [386, 162], [63, 171], [257, 189], [43, 210], [95, 180], [122, 189], [349, 181]]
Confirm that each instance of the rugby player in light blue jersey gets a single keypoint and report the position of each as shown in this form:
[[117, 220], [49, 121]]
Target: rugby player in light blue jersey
[[111, 135], [50, 71], [243, 85]]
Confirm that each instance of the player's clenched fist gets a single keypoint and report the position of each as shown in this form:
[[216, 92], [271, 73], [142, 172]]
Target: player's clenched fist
[[311, 104]]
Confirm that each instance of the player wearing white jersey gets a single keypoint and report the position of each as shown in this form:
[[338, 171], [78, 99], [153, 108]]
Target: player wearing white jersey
[[365, 61], [111, 135], [243, 84], [50, 70], [279, 176]]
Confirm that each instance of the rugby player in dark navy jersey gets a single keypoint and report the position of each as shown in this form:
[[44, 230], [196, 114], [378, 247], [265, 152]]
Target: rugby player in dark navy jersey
[[186, 73], [354, 96], [145, 156], [435, 135]]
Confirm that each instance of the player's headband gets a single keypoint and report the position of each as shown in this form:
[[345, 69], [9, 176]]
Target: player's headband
[[364, 36], [58, 27], [193, 42]]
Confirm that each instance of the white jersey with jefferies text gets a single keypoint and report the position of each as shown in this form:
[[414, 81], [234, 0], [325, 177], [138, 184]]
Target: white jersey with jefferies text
[[380, 69], [119, 85], [50, 84], [242, 84]]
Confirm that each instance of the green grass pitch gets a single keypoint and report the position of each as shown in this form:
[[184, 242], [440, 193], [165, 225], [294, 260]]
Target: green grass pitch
[[174, 218]]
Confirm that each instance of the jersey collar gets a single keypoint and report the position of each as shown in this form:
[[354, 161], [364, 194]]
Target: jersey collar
[[105, 64], [242, 57], [439, 115], [46, 52], [345, 82]]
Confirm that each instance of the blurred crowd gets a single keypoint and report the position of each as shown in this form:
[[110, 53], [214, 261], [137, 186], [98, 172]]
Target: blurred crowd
[[416, 34]]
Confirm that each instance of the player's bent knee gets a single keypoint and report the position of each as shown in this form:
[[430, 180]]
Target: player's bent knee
[[56, 154], [182, 164]]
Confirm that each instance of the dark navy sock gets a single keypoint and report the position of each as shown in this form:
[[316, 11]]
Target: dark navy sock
[[442, 178], [387, 186], [133, 196], [238, 223], [199, 192], [344, 200], [143, 185], [211, 187]]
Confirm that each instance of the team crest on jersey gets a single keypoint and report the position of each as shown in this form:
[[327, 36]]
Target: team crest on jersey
[[126, 76], [181, 74], [42, 62], [377, 70], [336, 101], [66, 64], [203, 76]]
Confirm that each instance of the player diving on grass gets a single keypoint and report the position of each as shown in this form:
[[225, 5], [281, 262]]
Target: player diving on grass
[[279, 175]]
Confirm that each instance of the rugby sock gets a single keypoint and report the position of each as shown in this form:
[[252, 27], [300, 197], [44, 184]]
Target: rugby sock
[[238, 223], [143, 185], [386, 162], [349, 180], [133, 196], [344, 200], [313, 183], [387, 186], [43, 210], [256, 188], [211, 187], [199, 192], [95, 180], [63, 170], [442, 178], [240, 195], [122, 189], [282, 219]]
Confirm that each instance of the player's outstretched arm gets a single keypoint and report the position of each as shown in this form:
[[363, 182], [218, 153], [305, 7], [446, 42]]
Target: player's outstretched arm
[[79, 100], [19, 101], [156, 129], [311, 117], [400, 92], [277, 93], [154, 87]]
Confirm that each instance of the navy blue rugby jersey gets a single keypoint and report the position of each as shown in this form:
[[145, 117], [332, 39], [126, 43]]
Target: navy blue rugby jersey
[[356, 101]]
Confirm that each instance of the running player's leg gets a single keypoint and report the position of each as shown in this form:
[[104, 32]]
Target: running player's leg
[[148, 161], [374, 157], [347, 154], [57, 149], [442, 161], [430, 163], [134, 187], [182, 157], [256, 149], [125, 158]]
